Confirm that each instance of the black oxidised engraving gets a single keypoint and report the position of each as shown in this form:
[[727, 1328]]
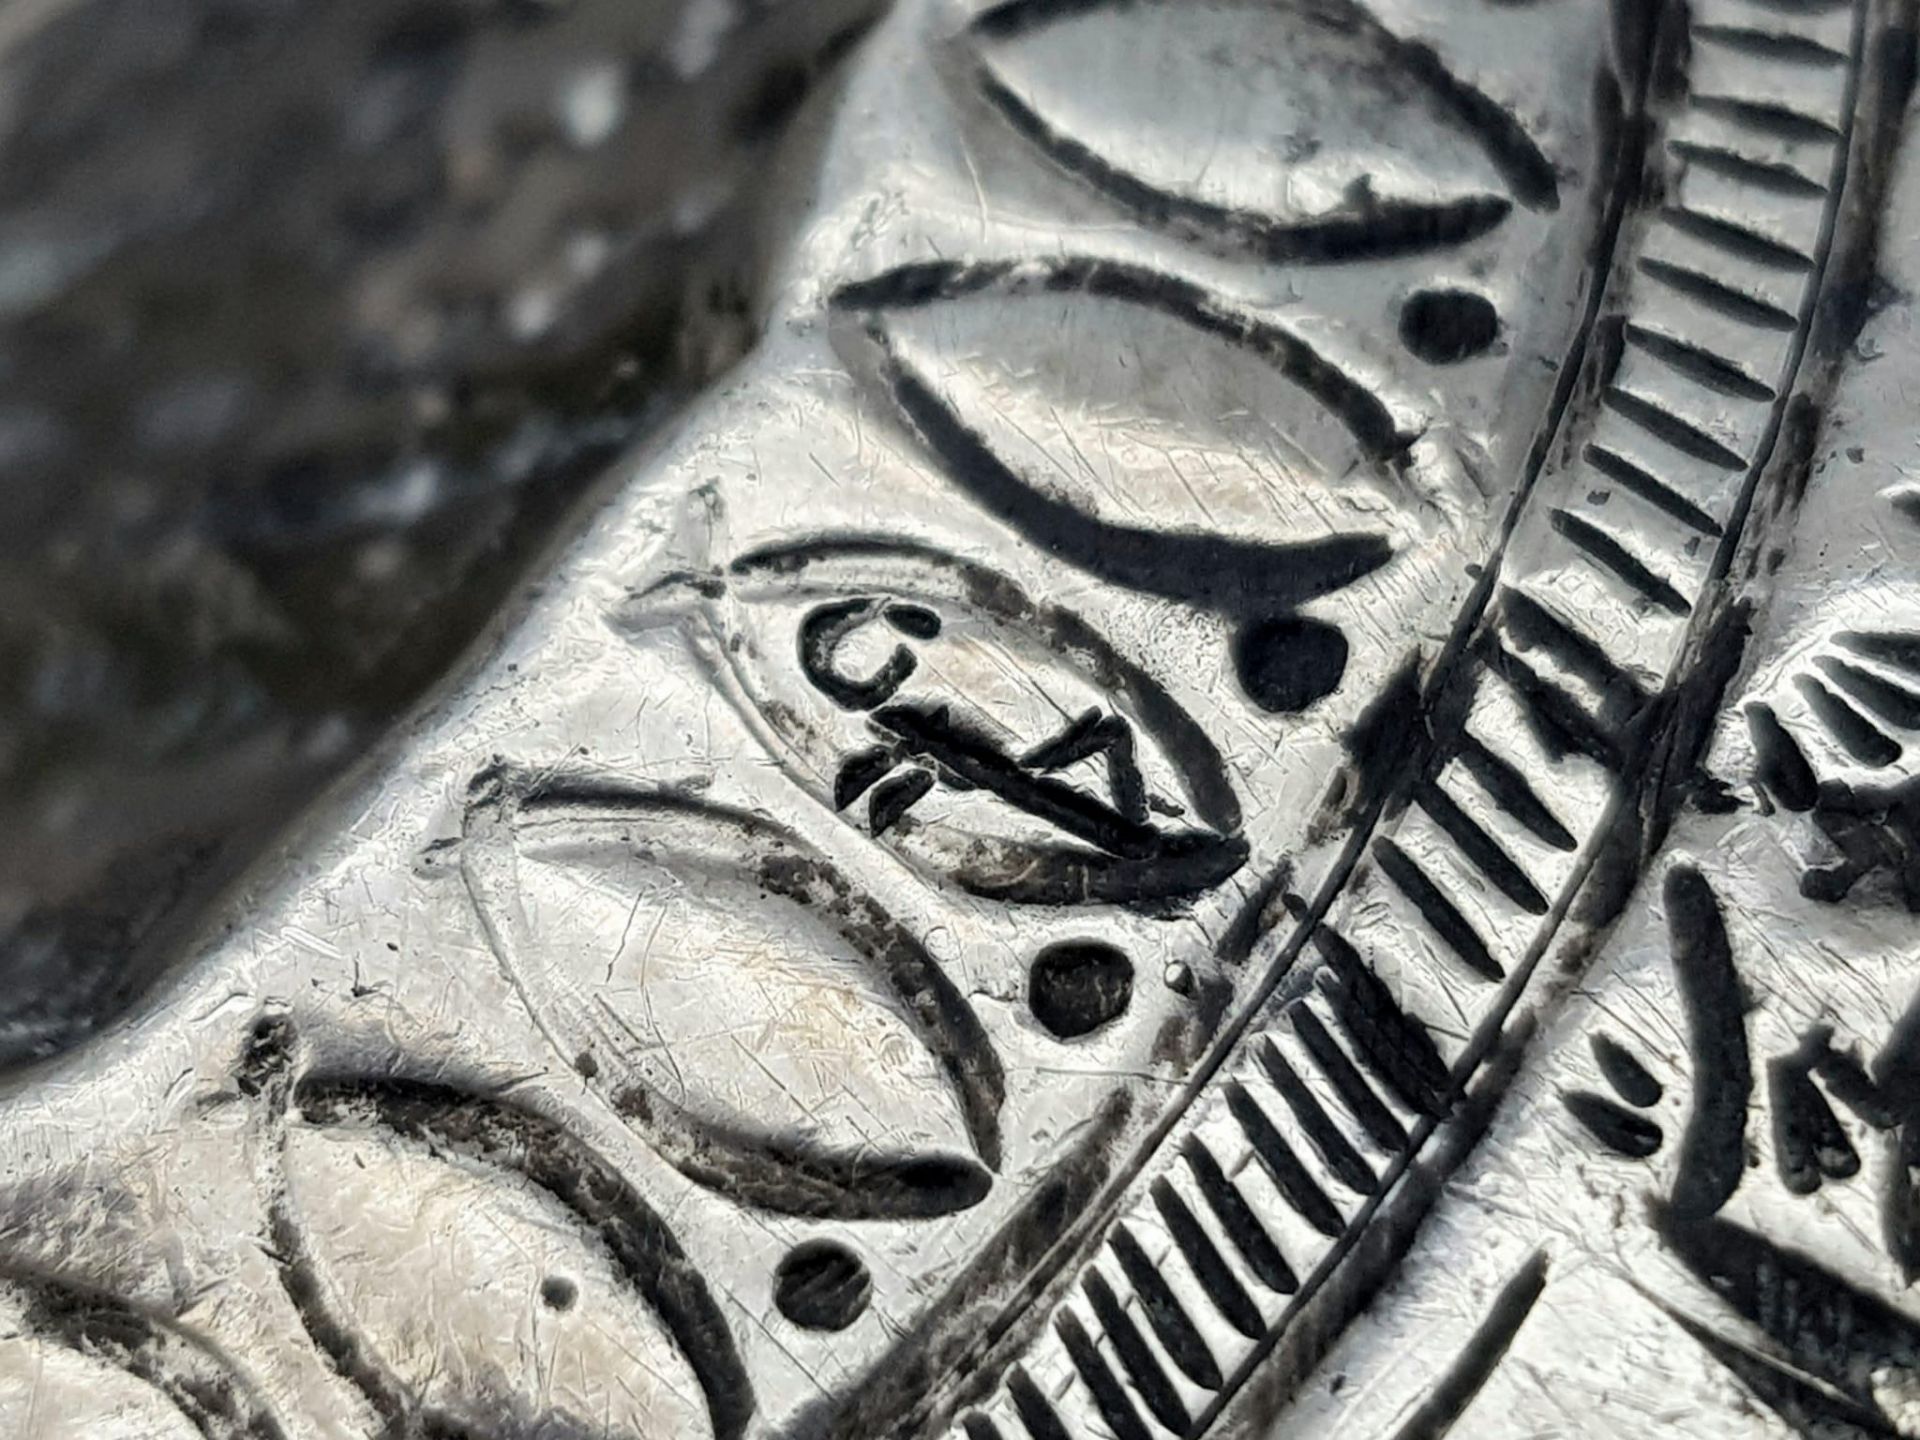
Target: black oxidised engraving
[[1393, 1044], [1342, 1160], [827, 626], [1109, 1396], [1136, 1356], [1808, 1139], [1108, 833], [1285, 662], [1491, 1340], [1625, 1073], [1614, 1126], [1170, 1322], [1440, 913], [1077, 986], [1366, 226], [1445, 327], [1712, 1155], [1203, 1257], [1289, 662], [1036, 1412], [1292, 1178], [1236, 1217], [822, 1285]]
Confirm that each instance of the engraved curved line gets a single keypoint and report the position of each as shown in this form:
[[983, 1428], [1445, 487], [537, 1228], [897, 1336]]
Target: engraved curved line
[[1198, 760], [1388, 230], [1488, 1346], [199, 1381], [1238, 578], [644, 1250], [924, 283], [786, 1176], [822, 634], [1384, 230], [1712, 1154]]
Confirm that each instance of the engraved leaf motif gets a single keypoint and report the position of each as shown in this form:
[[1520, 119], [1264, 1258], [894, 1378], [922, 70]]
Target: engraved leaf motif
[[1236, 152], [996, 743], [1167, 440], [772, 1031], [473, 1270], [76, 1363]]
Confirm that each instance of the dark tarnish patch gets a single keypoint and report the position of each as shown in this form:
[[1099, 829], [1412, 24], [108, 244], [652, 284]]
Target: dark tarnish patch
[[1812, 1409], [1712, 1150], [1896, 1075], [1386, 738]]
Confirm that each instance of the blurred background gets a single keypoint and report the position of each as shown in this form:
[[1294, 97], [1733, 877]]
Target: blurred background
[[315, 317]]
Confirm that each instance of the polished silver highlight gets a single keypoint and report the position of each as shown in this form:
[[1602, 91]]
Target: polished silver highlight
[[1257, 777]]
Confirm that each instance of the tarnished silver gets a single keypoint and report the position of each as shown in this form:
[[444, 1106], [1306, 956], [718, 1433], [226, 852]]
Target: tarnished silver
[[1255, 778]]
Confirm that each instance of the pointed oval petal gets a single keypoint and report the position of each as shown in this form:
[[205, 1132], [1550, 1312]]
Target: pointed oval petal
[[997, 744], [470, 1267], [1295, 132], [732, 995], [1165, 439]]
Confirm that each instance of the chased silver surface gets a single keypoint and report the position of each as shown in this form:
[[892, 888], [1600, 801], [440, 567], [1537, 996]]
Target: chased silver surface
[[1256, 777]]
